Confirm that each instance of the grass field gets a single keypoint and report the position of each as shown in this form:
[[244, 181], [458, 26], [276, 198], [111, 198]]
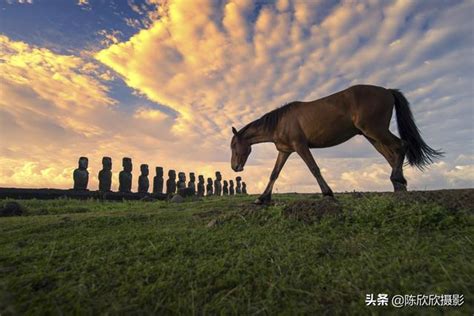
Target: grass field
[[222, 255]]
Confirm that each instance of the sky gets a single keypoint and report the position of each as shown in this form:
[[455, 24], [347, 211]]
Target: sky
[[163, 81]]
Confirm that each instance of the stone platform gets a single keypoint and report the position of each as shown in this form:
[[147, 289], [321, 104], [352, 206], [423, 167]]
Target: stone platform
[[47, 194]]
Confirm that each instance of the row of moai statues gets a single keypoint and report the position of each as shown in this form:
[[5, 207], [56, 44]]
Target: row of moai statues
[[213, 187]]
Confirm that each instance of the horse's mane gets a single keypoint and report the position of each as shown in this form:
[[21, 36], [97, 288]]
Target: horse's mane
[[269, 121]]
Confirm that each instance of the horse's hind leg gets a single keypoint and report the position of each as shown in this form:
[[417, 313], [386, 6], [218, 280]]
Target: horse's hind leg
[[394, 150]]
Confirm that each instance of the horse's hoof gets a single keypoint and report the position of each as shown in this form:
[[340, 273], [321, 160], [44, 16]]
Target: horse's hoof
[[399, 187], [328, 194], [261, 201]]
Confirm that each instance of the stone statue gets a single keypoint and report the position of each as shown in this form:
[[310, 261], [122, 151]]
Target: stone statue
[[200, 186], [143, 182], [105, 175], [125, 176], [238, 187], [171, 182], [218, 184], [231, 187], [244, 188], [158, 181], [183, 190], [192, 182], [81, 175], [209, 188], [225, 188], [181, 184]]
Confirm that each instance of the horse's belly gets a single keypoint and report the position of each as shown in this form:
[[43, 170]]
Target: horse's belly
[[331, 136]]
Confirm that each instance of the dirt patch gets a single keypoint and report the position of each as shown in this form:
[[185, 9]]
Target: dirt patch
[[310, 211], [12, 209], [243, 212], [212, 213]]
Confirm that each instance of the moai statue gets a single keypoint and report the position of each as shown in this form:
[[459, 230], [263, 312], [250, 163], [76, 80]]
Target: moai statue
[[171, 182], [225, 188], [231, 187], [209, 188], [105, 175], [125, 176], [181, 184], [200, 186], [238, 187], [158, 181], [143, 182], [192, 182], [81, 175], [244, 188], [218, 184]]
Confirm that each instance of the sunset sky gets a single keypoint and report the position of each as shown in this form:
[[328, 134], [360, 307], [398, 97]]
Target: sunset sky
[[164, 81]]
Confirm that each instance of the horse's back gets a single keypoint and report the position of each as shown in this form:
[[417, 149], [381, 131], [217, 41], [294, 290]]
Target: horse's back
[[338, 117]]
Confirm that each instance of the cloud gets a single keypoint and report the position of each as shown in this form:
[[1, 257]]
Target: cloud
[[55, 108], [204, 66], [222, 67], [149, 114], [82, 2]]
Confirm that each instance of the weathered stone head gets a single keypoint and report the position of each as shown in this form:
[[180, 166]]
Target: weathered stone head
[[127, 164], [105, 175], [125, 176], [143, 182], [231, 187], [200, 186], [192, 177], [158, 181], [238, 187], [225, 188], [218, 176], [159, 171], [83, 163], [171, 182], [172, 174], [144, 170], [106, 163], [182, 176], [81, 175], [209, 187]]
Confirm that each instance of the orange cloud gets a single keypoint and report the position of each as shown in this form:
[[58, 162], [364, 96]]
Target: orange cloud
[[218, 64]]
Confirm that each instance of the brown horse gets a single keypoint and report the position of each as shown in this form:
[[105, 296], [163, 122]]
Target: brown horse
[[359, 110]]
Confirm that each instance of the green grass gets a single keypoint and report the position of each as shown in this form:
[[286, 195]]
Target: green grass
[[91, 257]]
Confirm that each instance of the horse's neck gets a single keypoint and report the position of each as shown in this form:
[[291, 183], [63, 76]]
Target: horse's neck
[[255, 134]]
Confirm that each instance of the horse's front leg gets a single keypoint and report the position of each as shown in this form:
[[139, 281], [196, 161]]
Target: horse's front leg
[[267, 194]]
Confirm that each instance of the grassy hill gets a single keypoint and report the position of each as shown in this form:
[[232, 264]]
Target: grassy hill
[[304, 254]]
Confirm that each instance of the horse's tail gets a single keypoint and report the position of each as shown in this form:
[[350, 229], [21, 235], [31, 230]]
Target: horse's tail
[[419, 154]]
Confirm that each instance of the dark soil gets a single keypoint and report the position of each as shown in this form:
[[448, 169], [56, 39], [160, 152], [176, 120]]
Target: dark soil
[[11, 209], [310, 211]]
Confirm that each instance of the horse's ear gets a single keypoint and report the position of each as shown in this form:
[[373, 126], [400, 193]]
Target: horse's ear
[[234, 130]]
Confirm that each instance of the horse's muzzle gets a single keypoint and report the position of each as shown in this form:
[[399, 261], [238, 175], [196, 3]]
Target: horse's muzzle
[[238, 168]]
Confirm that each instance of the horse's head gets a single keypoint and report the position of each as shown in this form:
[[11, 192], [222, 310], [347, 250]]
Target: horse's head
[[240, 151]]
